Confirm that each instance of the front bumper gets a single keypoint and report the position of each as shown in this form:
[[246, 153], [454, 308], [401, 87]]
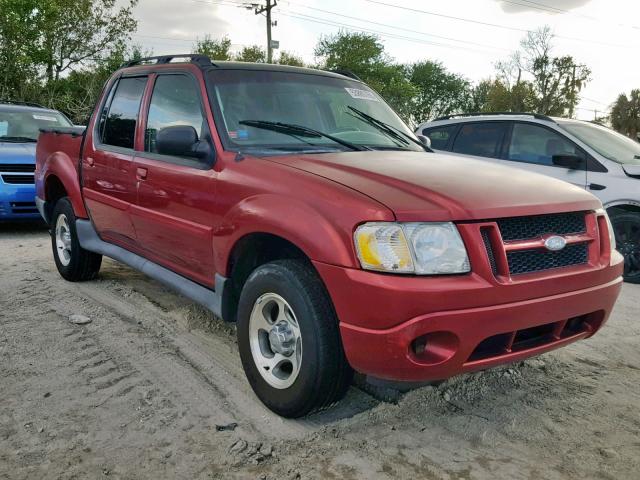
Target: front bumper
[[17, 202], [417, 329]]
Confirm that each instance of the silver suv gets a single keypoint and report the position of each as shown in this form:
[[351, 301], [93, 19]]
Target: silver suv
[[585, 154]]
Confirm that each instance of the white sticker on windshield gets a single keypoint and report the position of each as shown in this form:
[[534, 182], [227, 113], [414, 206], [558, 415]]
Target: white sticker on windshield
[[46, 118], [362, 94]]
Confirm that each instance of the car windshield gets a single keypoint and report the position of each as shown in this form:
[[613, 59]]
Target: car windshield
[[606, 142], [331, 106], [24, 125]]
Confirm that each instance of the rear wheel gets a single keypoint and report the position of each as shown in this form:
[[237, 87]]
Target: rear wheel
[[289, 340], [74, 263], [626, 227]]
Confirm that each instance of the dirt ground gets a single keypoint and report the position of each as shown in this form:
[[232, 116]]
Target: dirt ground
[[153, 386]]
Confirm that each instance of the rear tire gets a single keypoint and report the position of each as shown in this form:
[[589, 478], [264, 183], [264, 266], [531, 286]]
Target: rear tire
[[626, 226], [289, 340], [74, 263]]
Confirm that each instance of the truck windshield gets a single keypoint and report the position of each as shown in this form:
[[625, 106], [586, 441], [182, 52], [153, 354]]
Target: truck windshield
[[606, 142], [329, 105], [24, 126]]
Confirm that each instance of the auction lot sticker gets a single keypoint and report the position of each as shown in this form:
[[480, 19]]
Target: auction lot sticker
[[362, 94]]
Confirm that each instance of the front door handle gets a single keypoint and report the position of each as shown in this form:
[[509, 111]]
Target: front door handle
[[90, 161], [141, 173], [596, 186]]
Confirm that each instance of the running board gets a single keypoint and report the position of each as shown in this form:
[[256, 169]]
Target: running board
[[210, 299]]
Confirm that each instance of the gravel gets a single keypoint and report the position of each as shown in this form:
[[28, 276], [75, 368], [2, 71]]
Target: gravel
[[143, 390]]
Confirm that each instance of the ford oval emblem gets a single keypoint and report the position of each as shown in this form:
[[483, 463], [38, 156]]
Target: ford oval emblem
[[555, 243]]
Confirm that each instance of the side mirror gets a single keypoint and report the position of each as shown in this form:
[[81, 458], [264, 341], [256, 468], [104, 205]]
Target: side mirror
[[572, 162], [181, 141], [426, 141]]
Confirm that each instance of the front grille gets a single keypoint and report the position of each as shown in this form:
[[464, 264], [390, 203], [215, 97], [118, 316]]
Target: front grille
[[18, 179], [17, 167], [487, 244], [526, 261], [524, 228]]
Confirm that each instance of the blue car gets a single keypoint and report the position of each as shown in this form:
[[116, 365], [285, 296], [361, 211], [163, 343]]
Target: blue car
[[20, 125]]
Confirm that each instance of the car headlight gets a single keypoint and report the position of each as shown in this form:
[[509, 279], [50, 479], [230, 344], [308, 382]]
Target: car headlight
[[612, 235], [420, 248]]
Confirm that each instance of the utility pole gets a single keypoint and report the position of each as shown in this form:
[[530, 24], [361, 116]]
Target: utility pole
[[270, 4], [573, 92]]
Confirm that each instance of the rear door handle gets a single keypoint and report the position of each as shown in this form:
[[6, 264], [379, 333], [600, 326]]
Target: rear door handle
[[596, 186], [141, 173], [90, 161]]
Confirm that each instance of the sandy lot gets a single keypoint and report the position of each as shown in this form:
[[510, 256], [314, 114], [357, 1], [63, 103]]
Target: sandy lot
[[153, 386]]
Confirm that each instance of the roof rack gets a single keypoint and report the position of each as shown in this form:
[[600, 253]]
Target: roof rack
[[200, 60], [537, 116], [346, 73], [24, 104]]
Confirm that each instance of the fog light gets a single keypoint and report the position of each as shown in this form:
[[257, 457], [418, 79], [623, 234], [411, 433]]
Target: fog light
[[435, 347]]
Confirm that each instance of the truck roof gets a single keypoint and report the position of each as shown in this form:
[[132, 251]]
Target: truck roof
[[206, 64]]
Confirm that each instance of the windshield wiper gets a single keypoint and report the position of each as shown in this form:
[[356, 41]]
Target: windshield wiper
[[299, 131], [390, 130], [6, 138]]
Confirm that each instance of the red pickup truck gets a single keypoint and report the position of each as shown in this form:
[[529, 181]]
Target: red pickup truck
[[296, 203]]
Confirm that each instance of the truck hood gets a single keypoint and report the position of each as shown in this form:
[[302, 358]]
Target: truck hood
[[429, 186], [17, 152]]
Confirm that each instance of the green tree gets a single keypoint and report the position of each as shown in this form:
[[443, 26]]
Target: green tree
[[493, 95], [74, 32], [287, 58], [18, 39], [77, 93], [363, 54], [438, 91], [215, 49], [253, 53], [551, 83], [625, 114]]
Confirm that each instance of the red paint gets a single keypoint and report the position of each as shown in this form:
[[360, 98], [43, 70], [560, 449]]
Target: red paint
[[189, 220]]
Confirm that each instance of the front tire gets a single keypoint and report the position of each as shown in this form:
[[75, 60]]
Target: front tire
[[289, 340], [74, 263], [626, 227]]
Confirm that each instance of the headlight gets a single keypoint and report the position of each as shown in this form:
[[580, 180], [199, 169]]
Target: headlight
[[612, 235], [420, 248]]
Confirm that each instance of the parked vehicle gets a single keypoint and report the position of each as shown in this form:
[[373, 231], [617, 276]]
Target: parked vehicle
[[19, 128], [296, 203], [586, 154]]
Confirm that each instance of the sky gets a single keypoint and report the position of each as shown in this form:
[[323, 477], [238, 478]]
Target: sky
[[467, 36]]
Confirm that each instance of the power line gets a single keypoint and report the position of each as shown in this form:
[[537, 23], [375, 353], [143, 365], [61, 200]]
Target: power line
[[377, 32], [494, 25], [399, 28], [548, 8]]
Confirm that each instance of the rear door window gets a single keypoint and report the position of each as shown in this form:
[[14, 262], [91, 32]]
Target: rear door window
[[483, 139], [535, 144], [121, 121], [440, 136]]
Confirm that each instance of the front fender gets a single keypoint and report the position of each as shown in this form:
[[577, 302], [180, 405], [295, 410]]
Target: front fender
[[291, 219]]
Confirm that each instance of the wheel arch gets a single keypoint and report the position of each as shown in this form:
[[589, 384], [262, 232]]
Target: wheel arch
[[60, 180], [248, 253], [623, 206]]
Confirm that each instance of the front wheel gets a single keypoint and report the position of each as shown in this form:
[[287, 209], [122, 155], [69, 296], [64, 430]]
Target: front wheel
[[289, 340], [74, 263], [626, 227]]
